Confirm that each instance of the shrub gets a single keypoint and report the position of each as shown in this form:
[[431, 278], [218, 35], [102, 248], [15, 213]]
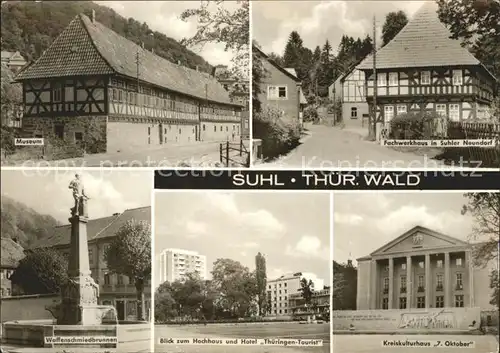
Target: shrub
[[310, 114], [7, 140], [278, 134], [416, 126]]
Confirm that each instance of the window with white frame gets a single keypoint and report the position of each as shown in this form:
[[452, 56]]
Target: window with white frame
[[401, 109], [382, 79], [388, 112], [459, 280], [393, 79], [354, 112], [457, 78], [277, 92], [454, 112], [441, 109], [425, 78]]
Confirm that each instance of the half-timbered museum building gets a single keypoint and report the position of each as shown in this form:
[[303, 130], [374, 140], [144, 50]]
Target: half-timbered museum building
[[91, 84], [423, 70]]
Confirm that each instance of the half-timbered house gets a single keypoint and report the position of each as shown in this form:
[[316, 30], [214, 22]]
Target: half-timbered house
[[349, 89], [93, 82], [423, 70]]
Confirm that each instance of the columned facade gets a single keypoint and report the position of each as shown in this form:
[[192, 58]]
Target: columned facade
[[422, 279]]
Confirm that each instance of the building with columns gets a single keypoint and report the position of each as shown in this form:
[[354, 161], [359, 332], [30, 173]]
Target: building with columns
[[424, 269]]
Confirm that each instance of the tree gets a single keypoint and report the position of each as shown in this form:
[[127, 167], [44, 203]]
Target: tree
[[344, 286], [476, 24], [237, 286], [261, 279], [292, 56], [307, 290], [258, 74], [165, 305], [31, 26], [485, 209], [494, 284], [276, 58], [338, 290], [222, 26], [129, 254], [394, 23], [42, 271]]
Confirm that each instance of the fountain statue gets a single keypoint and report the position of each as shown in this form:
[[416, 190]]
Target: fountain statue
[[78, 313]]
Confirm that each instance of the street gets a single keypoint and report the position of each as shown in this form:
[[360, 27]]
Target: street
[[205, 154], [261, 330], [330, 147], [375, 343]]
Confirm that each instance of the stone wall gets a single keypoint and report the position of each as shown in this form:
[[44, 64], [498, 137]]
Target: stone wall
[[414, 320], [72, 129], [27, 307]]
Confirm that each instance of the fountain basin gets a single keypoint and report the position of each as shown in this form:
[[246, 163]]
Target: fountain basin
[[132, 335]]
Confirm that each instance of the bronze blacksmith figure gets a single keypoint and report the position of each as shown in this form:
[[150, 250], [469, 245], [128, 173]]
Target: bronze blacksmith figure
[[80, 208]]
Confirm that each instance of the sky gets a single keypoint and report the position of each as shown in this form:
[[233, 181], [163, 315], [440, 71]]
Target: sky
[[317, 21], [164, 17], [292, 230], [365, 222], [47, 192]]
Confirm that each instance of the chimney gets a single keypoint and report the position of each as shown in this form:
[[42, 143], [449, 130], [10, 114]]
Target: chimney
[[197, 68], [93, 16], [142, 45], [178, 62], [153, 50]]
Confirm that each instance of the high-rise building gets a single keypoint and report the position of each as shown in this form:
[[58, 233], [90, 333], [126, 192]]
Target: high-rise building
[[175, 264]]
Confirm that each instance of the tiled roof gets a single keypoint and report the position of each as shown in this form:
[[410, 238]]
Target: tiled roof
[[257, 50], [71, 54], [90, 48], [12, 253], [423, 42], [96, 228]]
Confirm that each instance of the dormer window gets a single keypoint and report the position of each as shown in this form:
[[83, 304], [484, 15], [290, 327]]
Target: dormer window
[[425, 78], [457, 78]]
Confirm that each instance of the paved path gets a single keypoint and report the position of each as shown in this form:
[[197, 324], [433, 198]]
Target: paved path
[[374, 343], [166, 156], [331, 147], [275, 330]]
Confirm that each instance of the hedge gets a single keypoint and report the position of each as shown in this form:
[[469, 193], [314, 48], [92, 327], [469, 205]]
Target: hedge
[[279, 134]]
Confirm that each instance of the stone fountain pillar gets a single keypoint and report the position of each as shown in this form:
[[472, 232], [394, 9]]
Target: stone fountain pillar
[[80, 292]]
